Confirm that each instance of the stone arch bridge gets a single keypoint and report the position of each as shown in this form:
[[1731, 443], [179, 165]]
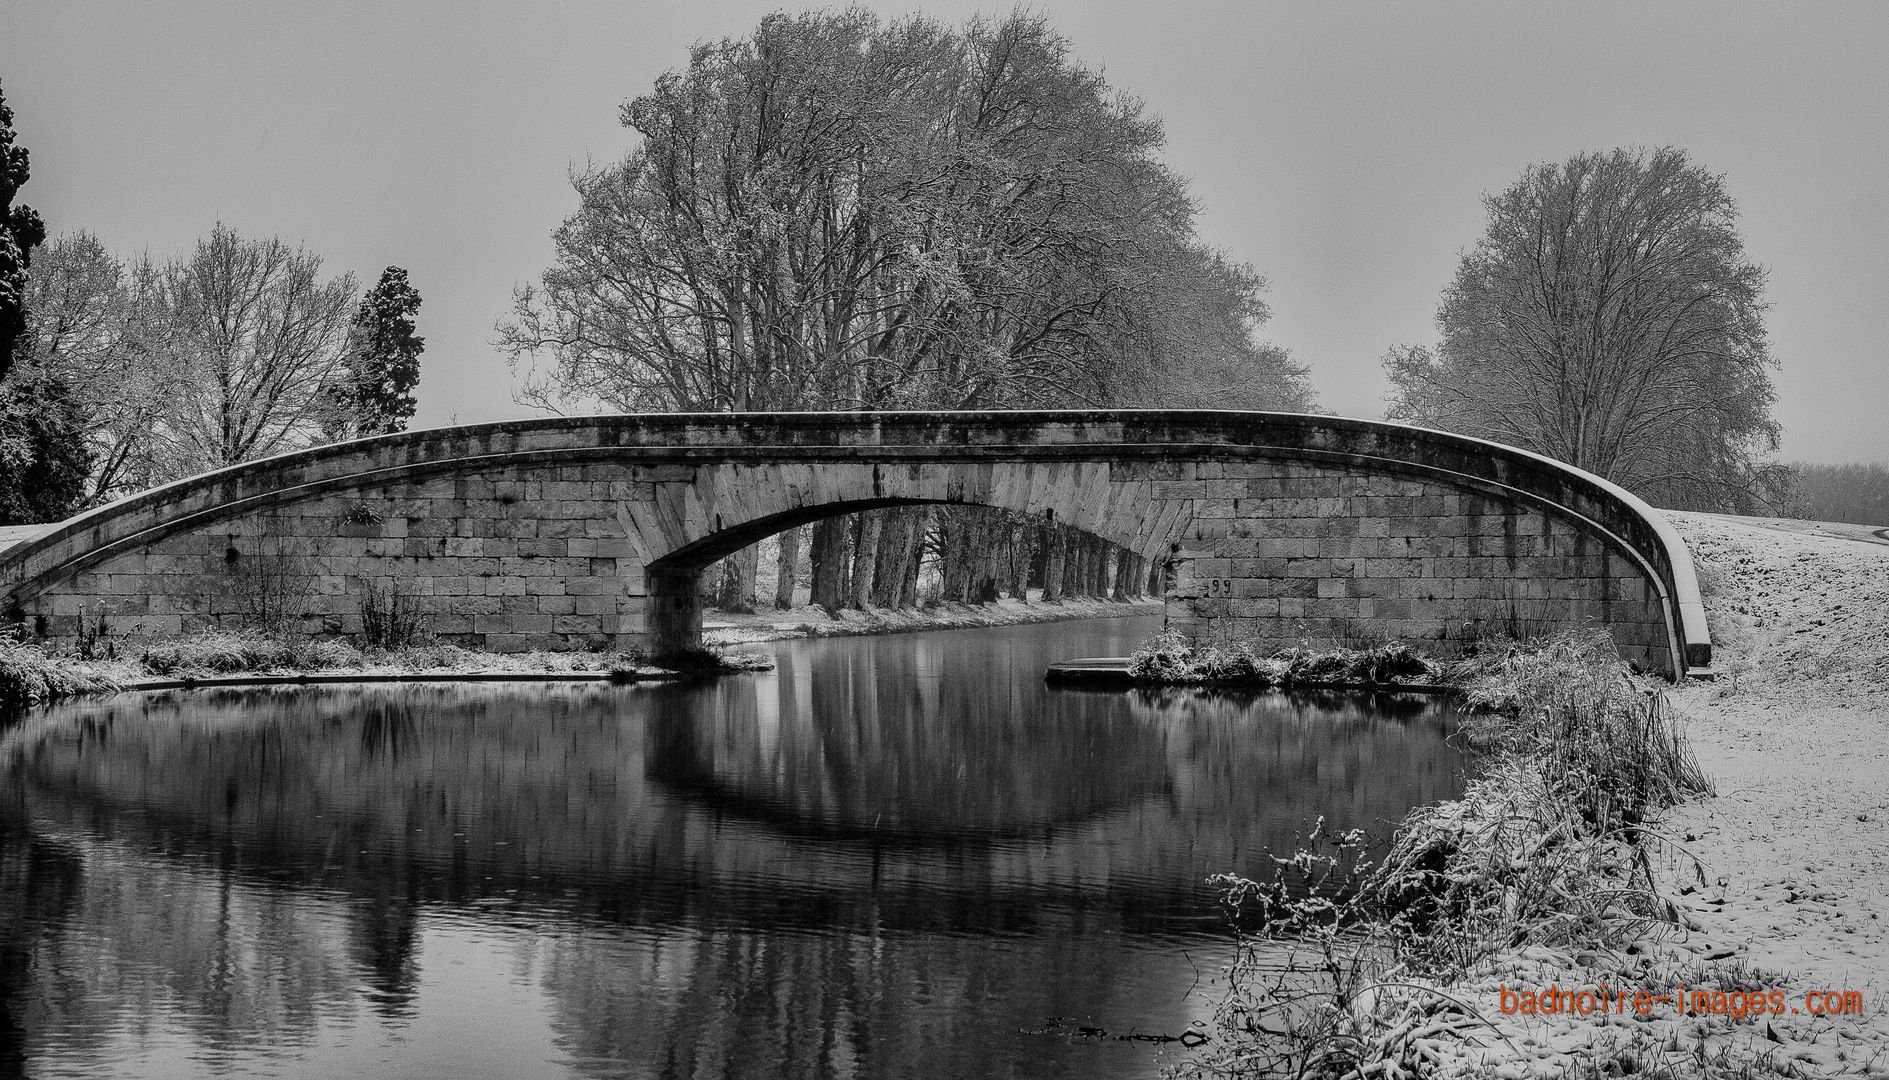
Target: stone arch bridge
[[593, 531]]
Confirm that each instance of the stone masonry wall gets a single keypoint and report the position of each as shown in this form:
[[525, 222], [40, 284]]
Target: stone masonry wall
[[560, 556], [1286, 553], [520, 558]]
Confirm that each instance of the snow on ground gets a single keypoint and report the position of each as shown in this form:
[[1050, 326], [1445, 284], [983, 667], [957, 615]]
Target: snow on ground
[[1796, 734], [1795, 847]]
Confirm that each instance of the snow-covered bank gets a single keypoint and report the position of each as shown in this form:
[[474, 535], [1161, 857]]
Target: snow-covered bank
[[1775, 890], [1794, 848]]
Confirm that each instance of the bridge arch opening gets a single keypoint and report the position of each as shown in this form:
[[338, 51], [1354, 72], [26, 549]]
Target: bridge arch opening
[[1033, 553]]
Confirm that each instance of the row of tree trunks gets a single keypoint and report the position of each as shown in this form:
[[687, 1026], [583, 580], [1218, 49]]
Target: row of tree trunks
[[874, 558]]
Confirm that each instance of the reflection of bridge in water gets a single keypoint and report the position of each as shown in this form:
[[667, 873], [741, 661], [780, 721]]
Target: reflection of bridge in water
[[658, 805], [864, 842]]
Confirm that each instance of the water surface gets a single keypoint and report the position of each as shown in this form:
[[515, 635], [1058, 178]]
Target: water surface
[[893, 856]]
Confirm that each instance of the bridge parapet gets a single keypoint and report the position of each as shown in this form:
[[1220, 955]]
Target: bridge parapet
[[591, 530]]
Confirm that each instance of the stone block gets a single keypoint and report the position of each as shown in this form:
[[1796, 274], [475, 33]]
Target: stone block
[[594, 605], [577, 624]]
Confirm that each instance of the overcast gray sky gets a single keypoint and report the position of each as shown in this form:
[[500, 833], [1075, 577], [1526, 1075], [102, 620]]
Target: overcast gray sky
[[1341, 148]]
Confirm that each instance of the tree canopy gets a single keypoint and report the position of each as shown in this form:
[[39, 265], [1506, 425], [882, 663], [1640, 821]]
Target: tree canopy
[[839, 213], [1609, 317], [249, 339]]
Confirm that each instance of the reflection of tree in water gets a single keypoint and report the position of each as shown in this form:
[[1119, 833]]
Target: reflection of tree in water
[[40, 883], [734, 1003], [98, 944]]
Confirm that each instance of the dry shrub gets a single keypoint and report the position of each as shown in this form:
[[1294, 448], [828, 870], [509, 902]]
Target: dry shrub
[[389, 620]]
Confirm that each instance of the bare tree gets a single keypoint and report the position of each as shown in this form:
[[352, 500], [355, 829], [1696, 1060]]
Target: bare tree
[[92, 323], [1608, 317], [250, 339]]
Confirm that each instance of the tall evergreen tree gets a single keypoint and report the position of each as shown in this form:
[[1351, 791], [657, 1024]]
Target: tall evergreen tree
[[21, 230], [43, 458], [383, 366], [44, 462]]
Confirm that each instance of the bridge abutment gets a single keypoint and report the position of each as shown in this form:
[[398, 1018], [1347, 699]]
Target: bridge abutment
[[673, 613]]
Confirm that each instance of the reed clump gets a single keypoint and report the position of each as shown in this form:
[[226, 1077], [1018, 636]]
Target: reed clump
[[1547, 847], [1169, 659]]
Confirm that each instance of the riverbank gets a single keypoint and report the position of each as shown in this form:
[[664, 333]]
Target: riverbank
[[1777, 885], [1792, 891], [1795, 732], [727, 628], [31, 676]]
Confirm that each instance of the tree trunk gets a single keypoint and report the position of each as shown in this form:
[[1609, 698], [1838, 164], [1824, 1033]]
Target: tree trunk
[[789, 564], [865, 556], [829, 563], [1018, 584], [735, 591], [954, 555], [1075, 565], [988, 556], [914, 558], [1055, 562], [888, 572]]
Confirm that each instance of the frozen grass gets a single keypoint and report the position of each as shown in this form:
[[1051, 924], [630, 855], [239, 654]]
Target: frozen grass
[[225, 654], [1547, 848], [30, 677]]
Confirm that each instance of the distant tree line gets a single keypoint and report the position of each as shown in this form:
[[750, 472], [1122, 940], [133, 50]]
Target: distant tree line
[[116, 376], [1855, 493], [841, 213]]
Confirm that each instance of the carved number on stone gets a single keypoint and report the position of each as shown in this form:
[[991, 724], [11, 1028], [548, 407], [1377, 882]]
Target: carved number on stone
[[1219, 586]]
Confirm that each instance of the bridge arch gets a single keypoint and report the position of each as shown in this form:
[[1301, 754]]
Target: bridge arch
[[592, 530]]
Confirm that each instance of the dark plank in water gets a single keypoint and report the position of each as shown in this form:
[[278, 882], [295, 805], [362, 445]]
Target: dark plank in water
[[1092, 671]]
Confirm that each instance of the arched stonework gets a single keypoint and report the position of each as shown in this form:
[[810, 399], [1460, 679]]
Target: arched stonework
[[593, 531]]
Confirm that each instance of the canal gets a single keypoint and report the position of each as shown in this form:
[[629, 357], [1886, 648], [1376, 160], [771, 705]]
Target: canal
[[891, 856]]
